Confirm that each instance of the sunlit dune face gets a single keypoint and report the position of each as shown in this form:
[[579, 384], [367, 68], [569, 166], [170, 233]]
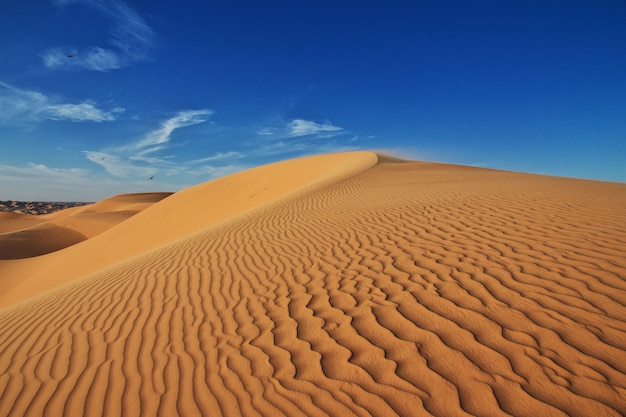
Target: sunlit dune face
[[339, 285]]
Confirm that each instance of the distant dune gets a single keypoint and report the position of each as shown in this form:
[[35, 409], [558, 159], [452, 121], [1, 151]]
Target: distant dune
[[25, 235], [347, 285]]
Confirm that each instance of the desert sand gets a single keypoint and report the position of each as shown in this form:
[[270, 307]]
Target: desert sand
[[344, 284], [25, 235]]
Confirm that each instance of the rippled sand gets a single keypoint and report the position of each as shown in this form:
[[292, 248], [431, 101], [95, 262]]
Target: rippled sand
[[346, 284]]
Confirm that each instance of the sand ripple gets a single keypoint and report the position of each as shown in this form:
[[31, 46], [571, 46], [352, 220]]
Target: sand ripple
[[409, 289]]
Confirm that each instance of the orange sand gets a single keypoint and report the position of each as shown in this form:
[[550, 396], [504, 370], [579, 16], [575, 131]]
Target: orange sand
[[25, 236], [344, 284]]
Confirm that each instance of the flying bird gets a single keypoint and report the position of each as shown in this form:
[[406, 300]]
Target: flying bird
[[151, 178], [70, 56]]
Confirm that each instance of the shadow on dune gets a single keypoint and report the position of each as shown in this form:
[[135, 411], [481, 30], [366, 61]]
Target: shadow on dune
[[37, 241]]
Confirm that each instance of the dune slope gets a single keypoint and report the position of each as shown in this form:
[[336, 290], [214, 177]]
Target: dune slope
[[37, 240], [183, 213], [409, 289], [25, 236]]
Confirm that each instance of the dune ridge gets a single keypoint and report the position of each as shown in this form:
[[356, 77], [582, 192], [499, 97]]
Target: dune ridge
[[186, 212], [409, 289]]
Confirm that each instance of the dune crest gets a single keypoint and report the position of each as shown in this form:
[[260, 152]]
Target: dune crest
[[411, 289], [183, 213]]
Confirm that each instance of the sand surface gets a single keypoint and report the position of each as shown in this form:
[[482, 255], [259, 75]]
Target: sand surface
[[345, 284], [25, 235]]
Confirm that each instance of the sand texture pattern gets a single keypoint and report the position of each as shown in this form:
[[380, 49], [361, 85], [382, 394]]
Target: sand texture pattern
[[363, 286]]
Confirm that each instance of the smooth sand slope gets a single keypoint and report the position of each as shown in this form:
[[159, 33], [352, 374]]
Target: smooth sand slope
[[25, 235], [333, 285]]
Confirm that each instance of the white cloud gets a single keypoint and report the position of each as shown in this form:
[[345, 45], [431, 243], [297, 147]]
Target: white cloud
[[119, 166], [131, 34], [26, 106], [300, 127], [131, 39], [100, 59], [78, 113], [268, 131], [20, 105], [92, 58], [55, 57], [144, 158], [150, 143], [138, 158], [219, 156], [301, 137]]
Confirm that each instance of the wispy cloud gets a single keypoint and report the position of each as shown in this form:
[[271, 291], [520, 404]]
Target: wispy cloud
[[300, 127], [302, 137], [131, 34], [78, 113], [92, 58], [130, 38], [219, 157], [144, 157], [120, 166], [152, 141], [266, 131], [27, 106]]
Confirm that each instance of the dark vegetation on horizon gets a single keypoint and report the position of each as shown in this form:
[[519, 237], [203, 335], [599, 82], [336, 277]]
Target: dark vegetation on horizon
[[37, 207]]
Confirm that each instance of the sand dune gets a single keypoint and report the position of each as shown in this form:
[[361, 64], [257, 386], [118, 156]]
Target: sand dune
[[333, 285], [25, 236], [37, 240]]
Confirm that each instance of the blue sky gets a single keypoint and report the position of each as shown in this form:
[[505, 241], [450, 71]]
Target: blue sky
[[189, 91]]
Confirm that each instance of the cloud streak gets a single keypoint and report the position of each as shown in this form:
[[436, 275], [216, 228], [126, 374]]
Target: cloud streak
[[300, 127], [163, 134], [78, 113], [27, 106], [130, 38], [144, 158], [141, 157], [219, 157], [119, 166], [302, 137]]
